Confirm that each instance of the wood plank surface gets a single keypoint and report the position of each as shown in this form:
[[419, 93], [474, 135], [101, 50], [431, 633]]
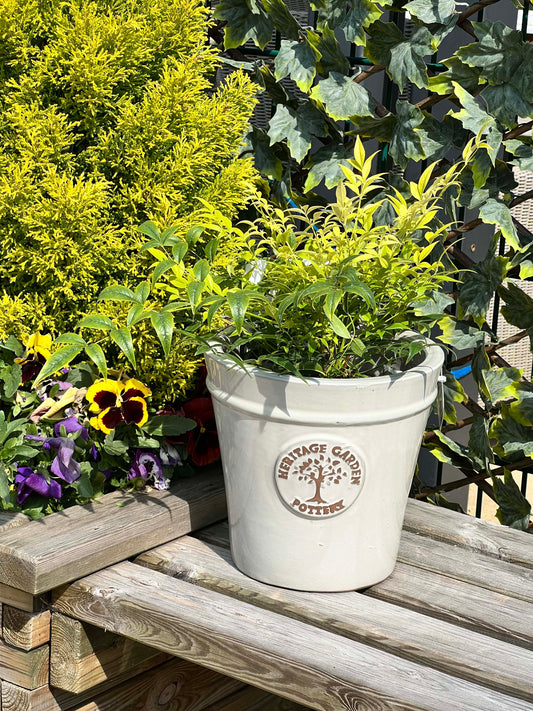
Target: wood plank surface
[[467, 565], [19, 598], [44, 554], [252, 699], [488, 538], [404, 632], [287, 657], [27, 669], [25, 630], [176, 685], [460, 603], [82, 656], [11, 520]]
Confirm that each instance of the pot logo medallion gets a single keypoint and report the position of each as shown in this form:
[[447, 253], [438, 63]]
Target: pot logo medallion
[[319, 479]]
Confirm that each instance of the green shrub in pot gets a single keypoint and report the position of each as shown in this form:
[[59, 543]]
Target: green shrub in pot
[[322, 379]]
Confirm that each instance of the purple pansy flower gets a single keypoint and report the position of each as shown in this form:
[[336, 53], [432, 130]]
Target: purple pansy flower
[[147, 465], [63, 466], [71, 426], [29, 482]]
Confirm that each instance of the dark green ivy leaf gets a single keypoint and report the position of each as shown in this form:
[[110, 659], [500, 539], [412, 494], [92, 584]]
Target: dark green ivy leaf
[[297, 60], [461, 334], [325, 165], [429, 11], [332, 57], [361, 14], [246, 19], [518, 309], [523, 151], [343, 98], [264, 155], [478, 287], [496, 212], [478, 440], [404, 57], [459, 72], [283, 20], [297, 128], [513, 439], [514, 509]]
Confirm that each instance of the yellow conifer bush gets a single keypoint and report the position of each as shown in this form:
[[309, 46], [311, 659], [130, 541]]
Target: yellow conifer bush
[[108, 118]]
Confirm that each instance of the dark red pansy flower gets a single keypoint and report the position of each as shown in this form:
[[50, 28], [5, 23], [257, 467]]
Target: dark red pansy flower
[[202, 442]]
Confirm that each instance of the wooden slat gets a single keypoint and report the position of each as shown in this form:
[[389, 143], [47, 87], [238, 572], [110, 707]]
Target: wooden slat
[[11, 520], [467, 565], [468, 532], [251, 699], [25, 630], [175, 685], [19, 598], [44, 554], [82, 656], [287, 657], [403, 632], [454, 601], [27, 669]]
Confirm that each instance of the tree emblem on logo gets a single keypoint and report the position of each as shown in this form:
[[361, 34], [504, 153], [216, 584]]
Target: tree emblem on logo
[[319, 478], [321, 472]]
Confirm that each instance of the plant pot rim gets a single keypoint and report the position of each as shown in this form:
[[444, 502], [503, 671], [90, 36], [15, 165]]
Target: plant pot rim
[[433, 357]]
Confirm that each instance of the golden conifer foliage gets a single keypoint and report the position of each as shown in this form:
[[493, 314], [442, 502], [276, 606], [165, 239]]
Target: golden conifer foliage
[[107, 119]]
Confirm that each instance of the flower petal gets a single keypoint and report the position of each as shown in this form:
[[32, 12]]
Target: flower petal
[[103, 394], [71, 426], [134, 388], [108, 419], [135, 410]]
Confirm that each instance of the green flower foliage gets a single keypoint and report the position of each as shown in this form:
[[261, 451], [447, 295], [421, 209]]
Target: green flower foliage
[[107, 118]]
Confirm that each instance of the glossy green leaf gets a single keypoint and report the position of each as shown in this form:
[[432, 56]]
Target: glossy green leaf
[[518, 308], [161, 268], [479, 286], [163, 323], [326, 165], [134, 314], [246, 19], [433, 304], [338, 327], [453, 393], [513, 438], [448, 451], [73, 338], [117, 293], [514, 509], [460, 334], [282, 19], [11, 376], [497, 213], [429, 11], [297, 128], [523, 152], [265, 156], [361, 14], [96, 354], [403, 56], [503, 383], [168, 425], [332, 57], [238, 302], [101, 323], [142, 291], [122, 337], [478, 440], [297, 60], [60, 359], [151, 230], [343, 98]]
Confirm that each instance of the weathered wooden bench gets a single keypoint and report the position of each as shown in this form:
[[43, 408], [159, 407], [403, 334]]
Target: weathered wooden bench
[[450, 629]]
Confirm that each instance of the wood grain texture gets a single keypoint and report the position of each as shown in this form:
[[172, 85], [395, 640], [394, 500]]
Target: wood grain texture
[[27, 669], [25, 630], [460, 603], [11, 520], [251, 699], [83, 656], [404, 632], [19, 598], [44, 554], [287, 657], [467, 565], [468, 532], [176, 686]]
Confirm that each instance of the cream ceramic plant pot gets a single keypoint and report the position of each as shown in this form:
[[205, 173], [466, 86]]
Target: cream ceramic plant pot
[[317, 473]]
